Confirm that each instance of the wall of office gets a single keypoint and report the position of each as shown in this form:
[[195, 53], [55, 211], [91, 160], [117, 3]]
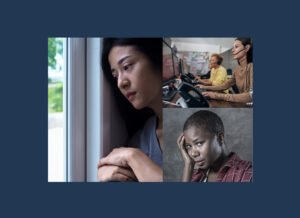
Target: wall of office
[[238, 135], [228, 61]]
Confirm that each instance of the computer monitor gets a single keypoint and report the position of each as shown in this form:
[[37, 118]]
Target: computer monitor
[[176, 65], [168, 66]]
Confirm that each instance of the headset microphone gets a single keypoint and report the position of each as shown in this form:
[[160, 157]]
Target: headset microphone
[[240, 51]]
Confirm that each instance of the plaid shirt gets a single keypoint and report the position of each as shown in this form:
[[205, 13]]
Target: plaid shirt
[[234, 170]]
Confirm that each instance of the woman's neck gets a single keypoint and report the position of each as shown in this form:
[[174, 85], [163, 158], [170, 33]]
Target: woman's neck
[[243, 61], [220, 161]]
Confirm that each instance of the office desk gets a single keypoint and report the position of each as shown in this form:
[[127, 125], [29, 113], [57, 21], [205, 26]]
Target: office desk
[[212, 103]]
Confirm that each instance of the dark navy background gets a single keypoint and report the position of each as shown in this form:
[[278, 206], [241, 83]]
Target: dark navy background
[[25, 27]]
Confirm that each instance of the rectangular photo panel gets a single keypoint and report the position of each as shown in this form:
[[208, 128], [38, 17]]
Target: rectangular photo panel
[[208, 145]]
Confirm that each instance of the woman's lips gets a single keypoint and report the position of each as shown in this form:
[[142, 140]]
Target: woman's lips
[[200, 163], [130, 95]]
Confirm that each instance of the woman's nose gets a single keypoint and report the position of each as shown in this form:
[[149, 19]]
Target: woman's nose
[[195, 153], [123, 82]]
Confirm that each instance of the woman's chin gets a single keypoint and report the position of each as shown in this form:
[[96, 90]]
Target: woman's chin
[[137, 105]]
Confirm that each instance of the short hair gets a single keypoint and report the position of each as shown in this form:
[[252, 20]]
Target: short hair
[[219, 57], [207, 120]]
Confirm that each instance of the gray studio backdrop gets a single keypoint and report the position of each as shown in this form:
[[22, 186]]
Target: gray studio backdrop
[[237, 122]]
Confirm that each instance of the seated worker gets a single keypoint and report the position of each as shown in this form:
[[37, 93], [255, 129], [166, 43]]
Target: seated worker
[[242, 76], [218, 74], [202, 144]]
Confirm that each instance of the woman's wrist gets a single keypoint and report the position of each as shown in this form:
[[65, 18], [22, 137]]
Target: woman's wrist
[[189, 164], [133, 153], [187, 172]]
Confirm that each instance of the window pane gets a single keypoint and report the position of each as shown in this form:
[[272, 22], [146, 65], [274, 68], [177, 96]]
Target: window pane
[[56, 145]]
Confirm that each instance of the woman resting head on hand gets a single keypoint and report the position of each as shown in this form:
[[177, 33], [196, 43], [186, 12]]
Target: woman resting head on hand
[[133, 66], [202, 144]]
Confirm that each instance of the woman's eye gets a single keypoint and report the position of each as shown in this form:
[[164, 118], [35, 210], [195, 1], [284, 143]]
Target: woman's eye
[[187, 147], [126, 67], [199, 143], [115, 75]]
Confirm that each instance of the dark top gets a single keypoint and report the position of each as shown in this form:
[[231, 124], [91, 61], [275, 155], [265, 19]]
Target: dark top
[[147, 141]]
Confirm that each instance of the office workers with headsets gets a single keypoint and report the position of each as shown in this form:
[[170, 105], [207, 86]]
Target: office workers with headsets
[[133, 67], [242, 76], [218, 74]]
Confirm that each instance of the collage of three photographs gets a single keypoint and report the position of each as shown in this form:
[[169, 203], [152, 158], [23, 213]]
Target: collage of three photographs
[[150, 109]]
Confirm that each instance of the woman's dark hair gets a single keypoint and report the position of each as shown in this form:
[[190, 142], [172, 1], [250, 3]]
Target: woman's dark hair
[[247, 41], [206, 120], [152, 48]]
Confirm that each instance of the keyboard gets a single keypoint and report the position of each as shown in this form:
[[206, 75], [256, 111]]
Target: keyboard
[[201, 90]]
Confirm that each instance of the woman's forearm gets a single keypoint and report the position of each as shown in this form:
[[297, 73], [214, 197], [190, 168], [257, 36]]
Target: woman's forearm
[[145, 169], [224, 86], [205, 82], [241, 98], [187, 173]]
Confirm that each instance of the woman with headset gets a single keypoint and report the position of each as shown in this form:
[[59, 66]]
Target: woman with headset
[[133, 66], [242, 76], [218, 74]]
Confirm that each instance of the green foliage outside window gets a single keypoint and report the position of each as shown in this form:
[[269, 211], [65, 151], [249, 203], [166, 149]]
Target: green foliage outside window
[[54, 46], [55, 90], [55, 98]]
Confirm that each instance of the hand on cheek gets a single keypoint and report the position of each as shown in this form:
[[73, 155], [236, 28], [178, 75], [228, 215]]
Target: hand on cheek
[[115, 173]]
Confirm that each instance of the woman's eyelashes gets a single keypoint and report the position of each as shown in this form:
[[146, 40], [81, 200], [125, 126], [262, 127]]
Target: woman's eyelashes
[[200, 143], [125, 68], [187, 146], [115, 74]]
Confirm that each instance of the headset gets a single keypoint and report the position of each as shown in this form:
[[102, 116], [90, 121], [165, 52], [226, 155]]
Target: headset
[[219, 62], [240, 51]]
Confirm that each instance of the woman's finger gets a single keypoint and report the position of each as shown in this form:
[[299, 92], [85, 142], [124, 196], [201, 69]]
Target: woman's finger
[[114, 173], [122, 178], [179, 140], [127, 172], [104, 161]]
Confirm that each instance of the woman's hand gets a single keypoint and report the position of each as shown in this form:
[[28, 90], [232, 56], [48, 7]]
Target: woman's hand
[[200, 86], [197, 77], [118, 157], [188, 161], [115, 173], [185, 156], [212, 95], [145, 169]]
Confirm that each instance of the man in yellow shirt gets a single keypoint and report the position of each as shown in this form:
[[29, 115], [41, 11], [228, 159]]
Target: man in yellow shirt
[[218, 74]]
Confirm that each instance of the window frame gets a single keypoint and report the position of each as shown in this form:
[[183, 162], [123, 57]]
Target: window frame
[[76, 110]]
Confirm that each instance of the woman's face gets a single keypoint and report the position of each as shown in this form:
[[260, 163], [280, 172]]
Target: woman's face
[[202, 146], [138, 80], [239, 50], [213, 62]]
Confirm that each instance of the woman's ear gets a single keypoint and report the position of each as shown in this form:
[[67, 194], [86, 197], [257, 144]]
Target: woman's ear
[[220, 138], [248, 47]]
